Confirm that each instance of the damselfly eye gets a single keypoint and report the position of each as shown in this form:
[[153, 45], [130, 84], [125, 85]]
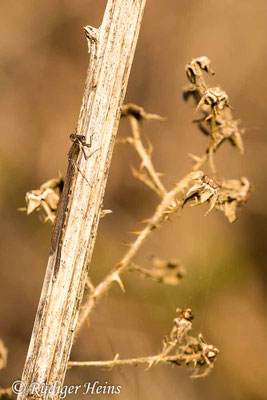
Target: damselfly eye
[[72, 136], [83, 138]]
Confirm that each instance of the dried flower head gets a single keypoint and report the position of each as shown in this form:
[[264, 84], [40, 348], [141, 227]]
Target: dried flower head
[[203, 190], [207, 355], [189, 350], [217, 121], [181, 324], [233, 194], [216, 98], [45, 199], [227, 196], [193, 66]]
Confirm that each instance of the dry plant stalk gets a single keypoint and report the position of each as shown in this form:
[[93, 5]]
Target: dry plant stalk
[[195, 188], [111, 49]]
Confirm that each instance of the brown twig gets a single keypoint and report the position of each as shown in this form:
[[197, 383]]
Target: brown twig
[[150, 178], [179, 348], [163, 212], [145, 156], [132, 361]]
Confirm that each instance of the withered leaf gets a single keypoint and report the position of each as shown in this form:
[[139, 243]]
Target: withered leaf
[[204, 190], [45, 199], [233, 194]]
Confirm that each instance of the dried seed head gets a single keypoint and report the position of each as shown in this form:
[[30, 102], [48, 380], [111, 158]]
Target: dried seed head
[[185, 313], [210, 351], [45, 199], [216, 98], [205, 189], [233, 194], [181, 324], [210, 182], [204, 63], [192, 68], [186, 349]]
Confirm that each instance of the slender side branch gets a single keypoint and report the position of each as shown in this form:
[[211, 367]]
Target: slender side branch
[[145, 157], [163, 212], [131, 361], [179, 348]]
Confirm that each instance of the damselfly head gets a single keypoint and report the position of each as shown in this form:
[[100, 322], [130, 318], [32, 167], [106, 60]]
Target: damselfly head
[[80, 138]]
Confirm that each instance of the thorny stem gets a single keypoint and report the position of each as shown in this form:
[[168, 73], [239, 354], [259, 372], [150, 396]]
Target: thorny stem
[[168, 198], [167, 206], [160, 216], [168, 202], [179, 348], [145, 157], [175, 359]]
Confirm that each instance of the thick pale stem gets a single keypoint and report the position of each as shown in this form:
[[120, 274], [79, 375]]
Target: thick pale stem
[[111, 51]]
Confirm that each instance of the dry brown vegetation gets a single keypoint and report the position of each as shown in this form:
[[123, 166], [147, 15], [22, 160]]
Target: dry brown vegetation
[[218, 124], [225, 280]]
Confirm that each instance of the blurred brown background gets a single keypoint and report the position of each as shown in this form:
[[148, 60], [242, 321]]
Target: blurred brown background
[[43, 56]]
